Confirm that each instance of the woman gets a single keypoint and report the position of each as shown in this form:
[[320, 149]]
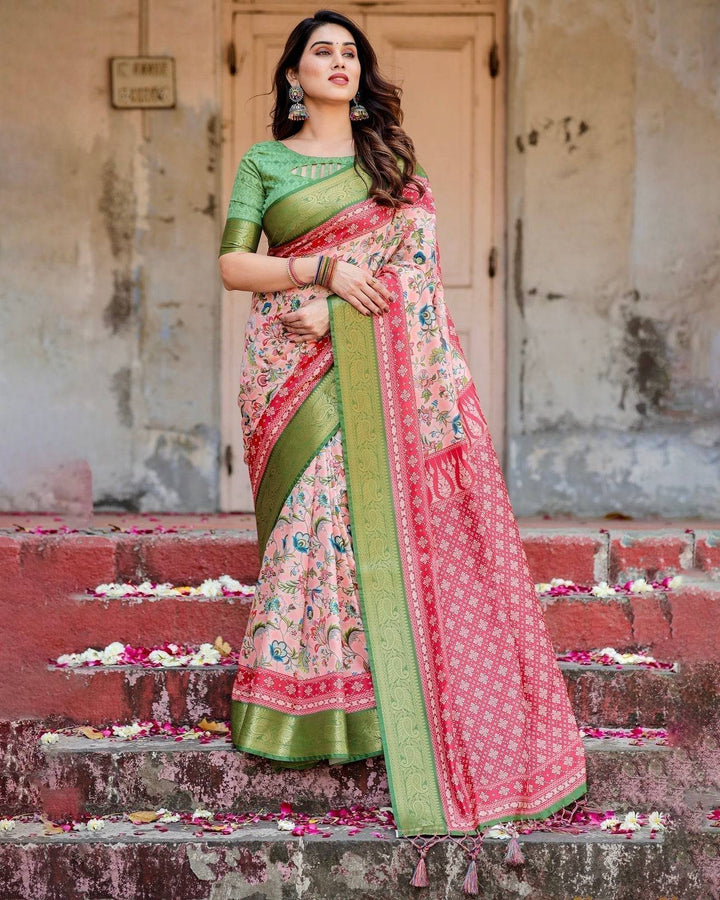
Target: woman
[[395, 612]]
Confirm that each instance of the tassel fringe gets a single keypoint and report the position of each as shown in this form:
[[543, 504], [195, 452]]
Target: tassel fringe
[[470, 885], [420, 878], [471, 845], [514, 855], [422, 845]]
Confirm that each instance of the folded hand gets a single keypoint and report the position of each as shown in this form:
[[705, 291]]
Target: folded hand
[[360, 289], [309, 323]]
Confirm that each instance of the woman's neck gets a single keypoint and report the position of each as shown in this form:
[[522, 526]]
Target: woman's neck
[[325, 128]]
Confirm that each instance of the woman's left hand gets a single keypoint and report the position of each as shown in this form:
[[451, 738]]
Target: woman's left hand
[[309, 323]]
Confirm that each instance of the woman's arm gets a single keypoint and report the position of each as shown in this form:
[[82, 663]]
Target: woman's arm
[[242, 271]]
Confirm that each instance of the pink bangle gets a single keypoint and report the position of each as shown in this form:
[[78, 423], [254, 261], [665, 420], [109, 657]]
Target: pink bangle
[[291, 272]]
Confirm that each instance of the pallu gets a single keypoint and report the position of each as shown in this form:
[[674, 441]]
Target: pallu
[[395, 612]]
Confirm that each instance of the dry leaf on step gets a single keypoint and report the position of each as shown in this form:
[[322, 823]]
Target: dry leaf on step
[[222, 646], [89, 732], [143, 815], [214, 727]]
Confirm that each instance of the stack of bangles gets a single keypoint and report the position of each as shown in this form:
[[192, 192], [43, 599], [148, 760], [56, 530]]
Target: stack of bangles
[[323, 274]]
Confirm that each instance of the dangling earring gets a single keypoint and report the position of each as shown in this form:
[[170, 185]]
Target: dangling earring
[[298, 111], [358, 112]]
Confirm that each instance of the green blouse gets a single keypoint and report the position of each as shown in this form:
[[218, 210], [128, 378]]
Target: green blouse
[[268, 173]]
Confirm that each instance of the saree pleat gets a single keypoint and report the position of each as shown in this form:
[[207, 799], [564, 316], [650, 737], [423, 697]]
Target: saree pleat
[[395, 612], [305, 693], [331, 734], [299, 443]]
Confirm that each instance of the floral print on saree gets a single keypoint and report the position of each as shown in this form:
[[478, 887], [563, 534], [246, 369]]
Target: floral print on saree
[[396, 556]]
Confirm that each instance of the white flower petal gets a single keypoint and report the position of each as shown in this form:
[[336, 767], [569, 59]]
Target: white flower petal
[[655, 822], [498, 831], [68, 659], [230, 584], [169, 817], [631, 821], [640, 586]]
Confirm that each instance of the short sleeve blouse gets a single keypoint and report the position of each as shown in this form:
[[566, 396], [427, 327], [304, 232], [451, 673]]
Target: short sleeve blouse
[[244, 221]]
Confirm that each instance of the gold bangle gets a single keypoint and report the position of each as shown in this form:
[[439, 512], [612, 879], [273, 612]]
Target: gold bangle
[[331, 271]]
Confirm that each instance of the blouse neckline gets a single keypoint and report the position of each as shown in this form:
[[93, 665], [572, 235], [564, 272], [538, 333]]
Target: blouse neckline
[[306, 156]]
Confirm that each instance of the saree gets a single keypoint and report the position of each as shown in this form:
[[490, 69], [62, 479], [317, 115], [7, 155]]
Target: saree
[[395, 612]]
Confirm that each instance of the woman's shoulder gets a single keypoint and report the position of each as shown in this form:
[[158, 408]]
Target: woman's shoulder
[[263, 149]]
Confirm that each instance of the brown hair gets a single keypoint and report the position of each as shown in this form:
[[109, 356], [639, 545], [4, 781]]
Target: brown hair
[[378, 139]]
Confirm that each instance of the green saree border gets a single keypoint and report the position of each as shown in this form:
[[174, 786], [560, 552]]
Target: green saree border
[[299, 211], [312, 426], [409, 757], [331, 734]]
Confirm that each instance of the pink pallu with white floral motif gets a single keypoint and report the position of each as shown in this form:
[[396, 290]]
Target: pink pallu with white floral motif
[[476, 722]]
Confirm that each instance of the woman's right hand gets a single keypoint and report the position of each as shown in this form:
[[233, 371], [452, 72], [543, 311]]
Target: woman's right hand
[[360, 289]]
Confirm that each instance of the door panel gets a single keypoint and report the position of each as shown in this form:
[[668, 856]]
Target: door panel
[[440, 62]]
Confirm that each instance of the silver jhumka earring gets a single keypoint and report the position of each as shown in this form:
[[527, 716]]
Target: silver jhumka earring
[[358, 112], [298, 110]]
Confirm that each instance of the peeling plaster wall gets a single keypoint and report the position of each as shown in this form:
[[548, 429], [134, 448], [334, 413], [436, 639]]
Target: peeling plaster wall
[[614, 274], [109, 294], [110, 299]]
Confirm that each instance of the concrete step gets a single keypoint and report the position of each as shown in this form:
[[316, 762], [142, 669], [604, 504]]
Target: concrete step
[[667, 624], [83, 558], [145, 621], [609, 695], [259, 862], [98, 776]]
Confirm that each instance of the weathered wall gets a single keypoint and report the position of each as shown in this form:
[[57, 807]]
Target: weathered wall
[[109, 295], [614, 276], [110, 299]]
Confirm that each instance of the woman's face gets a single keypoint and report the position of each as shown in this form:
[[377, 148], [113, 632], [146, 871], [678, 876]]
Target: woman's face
[[329, 54]]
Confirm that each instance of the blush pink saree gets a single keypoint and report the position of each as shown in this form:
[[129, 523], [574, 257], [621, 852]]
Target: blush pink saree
[[395, 612]]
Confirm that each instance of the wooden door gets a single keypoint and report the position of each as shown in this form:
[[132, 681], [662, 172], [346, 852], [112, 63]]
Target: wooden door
[[450, 108]]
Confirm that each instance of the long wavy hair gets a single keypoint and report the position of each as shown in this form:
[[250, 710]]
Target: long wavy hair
[[378, 139]]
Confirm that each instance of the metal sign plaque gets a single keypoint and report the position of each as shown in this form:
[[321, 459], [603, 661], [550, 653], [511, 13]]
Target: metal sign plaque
[[142, 82]]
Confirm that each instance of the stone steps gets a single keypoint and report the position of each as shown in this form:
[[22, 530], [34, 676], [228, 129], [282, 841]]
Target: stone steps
[[259, 862], [601, 695], [99, 776], [44, 606], [42, 601]]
